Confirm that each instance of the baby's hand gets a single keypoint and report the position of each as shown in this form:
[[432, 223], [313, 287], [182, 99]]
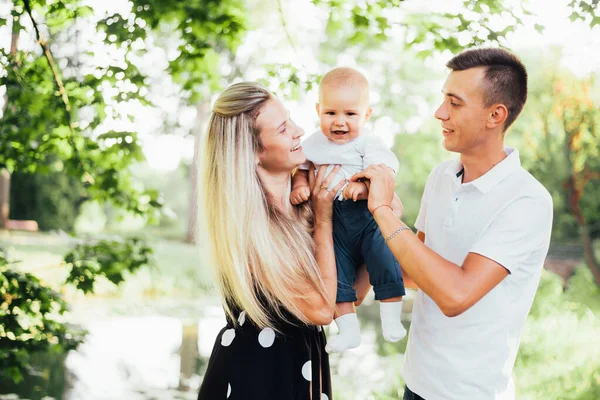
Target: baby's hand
[[300, 194], [356, 191]]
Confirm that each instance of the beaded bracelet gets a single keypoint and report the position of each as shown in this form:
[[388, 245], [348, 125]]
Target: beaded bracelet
[[397, 231]]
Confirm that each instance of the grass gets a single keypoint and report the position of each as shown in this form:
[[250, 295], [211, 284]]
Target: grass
[[559, 357]]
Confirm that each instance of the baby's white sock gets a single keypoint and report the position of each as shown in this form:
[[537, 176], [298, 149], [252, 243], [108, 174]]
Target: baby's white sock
[[349, 336], [390, 321]]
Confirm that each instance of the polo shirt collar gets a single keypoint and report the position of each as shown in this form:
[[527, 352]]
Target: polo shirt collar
[[491, 178]]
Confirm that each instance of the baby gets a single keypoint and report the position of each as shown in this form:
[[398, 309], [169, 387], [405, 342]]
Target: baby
[[344, 110]]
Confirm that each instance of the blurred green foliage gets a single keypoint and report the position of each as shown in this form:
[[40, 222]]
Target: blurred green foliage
[[559, 357], [52, 200], [30, 321], [55, 112], [559, 133], [54, 109], [111, 259]]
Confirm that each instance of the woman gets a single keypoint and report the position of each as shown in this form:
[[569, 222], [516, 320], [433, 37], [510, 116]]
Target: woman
[[274, 262]]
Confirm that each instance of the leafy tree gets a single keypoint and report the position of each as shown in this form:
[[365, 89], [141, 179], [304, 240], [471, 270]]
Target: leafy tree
[[561, 127], [57, 113], [580, 116], [585, 10], [112, 260], [30, 321], [31, 314], [52, 200], [56, 101]]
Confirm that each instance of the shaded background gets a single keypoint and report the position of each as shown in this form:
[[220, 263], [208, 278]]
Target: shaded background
[[105, 292]]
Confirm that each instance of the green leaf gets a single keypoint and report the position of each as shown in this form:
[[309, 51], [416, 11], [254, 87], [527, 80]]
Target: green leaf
[[110, 259], [574, 16]]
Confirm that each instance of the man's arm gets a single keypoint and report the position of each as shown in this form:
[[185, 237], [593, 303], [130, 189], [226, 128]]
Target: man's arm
[[408, 281], [454, 289]]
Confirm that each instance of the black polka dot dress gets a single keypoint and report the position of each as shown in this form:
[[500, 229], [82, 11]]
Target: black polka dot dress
[[248, 363]]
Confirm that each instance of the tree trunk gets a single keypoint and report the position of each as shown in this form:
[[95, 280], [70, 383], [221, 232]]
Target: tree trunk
[[188, 353], [4, 197], [590, 255], [4, 174], [203, 111], [575, 194]]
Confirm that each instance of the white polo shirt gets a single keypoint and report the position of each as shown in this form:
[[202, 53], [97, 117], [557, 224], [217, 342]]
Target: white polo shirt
[[353, 156], [504, 215]]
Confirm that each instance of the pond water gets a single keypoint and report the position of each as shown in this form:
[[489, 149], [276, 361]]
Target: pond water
[[158, 351]]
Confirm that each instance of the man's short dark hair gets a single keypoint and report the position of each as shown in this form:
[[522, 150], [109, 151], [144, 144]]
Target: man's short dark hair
[[505, 78]]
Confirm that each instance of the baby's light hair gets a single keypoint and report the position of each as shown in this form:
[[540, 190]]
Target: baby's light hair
[[343, 77]]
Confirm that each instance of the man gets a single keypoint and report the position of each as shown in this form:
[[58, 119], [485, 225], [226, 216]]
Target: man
[[485, 223]]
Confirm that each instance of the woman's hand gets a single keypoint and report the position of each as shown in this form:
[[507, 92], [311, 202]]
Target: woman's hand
[[322, 199], [381, 182]]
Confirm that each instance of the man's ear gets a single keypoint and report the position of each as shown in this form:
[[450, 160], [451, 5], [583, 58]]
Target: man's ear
[[498, 116]]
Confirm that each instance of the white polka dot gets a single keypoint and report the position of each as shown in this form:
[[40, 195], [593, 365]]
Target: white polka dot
[[227, 337], [324, 396], [266, 337], [307, 371], [228, 390], [242, 318]]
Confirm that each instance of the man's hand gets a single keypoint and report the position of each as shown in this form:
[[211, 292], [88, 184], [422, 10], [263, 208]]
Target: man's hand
[[381, 184], [356, 191], [299, 195]]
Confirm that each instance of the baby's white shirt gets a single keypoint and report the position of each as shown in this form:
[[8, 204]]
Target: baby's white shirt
[[353, 156]]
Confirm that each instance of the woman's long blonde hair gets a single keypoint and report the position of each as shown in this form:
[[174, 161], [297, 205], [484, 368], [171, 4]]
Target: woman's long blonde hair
[[263, 258]]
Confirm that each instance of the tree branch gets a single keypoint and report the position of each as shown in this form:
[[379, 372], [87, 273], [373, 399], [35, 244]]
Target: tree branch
[[61, 89], [13, 53], [48, 55]]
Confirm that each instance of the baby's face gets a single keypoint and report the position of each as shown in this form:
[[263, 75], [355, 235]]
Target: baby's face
[[343, 112]]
